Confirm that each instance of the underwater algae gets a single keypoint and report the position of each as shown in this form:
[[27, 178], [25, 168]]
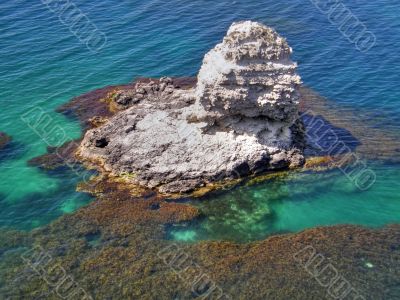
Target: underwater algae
[[113, 248]]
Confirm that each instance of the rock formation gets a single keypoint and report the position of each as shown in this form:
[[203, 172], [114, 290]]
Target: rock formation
[[249, 74], [240, 118]]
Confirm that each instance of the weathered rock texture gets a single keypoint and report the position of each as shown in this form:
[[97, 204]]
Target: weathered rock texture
[[250, 74], [240, 119]]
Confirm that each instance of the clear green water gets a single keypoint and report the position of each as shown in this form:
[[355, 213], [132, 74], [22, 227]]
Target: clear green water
[[294, 203], [31, 197]]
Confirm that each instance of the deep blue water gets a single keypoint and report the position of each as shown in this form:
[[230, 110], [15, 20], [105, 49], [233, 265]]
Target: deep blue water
[[42, 64]]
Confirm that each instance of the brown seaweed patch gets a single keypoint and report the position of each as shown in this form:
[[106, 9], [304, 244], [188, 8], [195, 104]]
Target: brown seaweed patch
[[113, 107], [97, 121], [13, 238], [127, 263], [98, 103], [207, 188], [57, 156], [324, 163], [90, 105], [130, 201], [103, 184], [269, 176], [318, 161], [4, 139]]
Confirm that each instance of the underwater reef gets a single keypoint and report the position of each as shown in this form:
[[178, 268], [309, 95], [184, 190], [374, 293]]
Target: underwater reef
[[115, 248], [118, 247]]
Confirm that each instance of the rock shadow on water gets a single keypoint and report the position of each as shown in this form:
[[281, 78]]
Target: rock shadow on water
[[377, 140], [12, 150], [326, 139]]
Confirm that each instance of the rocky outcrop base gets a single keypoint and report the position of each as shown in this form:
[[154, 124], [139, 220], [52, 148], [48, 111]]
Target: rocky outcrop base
[[239, 119]]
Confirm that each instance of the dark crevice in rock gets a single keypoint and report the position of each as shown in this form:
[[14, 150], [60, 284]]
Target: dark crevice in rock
[[101, 143]]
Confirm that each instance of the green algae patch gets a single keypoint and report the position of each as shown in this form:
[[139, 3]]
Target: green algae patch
[[185, 236]]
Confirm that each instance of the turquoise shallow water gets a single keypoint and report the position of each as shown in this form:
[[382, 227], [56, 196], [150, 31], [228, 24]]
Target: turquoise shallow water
[[42, 64], [293, 203]]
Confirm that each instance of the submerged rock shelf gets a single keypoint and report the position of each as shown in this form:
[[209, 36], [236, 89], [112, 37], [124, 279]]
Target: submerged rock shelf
[[241, 118]]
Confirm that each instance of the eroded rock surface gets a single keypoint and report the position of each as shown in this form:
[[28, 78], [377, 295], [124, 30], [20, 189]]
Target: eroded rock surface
[[241, 118], [249, 74]]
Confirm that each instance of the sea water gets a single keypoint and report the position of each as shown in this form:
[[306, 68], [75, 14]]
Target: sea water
[[43, 65]]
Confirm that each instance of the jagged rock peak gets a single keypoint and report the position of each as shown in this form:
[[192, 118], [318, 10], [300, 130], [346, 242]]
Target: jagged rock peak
[[249, 74], [253, 40]]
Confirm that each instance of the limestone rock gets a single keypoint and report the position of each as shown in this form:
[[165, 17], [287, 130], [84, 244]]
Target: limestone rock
[[240, 119], [145, 90], [250, 74]]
